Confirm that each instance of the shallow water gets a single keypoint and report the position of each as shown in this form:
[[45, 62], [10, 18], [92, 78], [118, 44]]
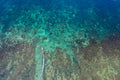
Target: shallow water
[[80, 38]]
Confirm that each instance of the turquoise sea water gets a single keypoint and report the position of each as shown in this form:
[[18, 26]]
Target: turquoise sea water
[[100, 15], [61, 27]]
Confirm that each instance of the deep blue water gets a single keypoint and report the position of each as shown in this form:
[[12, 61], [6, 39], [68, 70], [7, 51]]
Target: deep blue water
[[106, 12]]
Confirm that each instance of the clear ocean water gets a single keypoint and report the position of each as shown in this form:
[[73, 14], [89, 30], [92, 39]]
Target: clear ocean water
[[59, 39]]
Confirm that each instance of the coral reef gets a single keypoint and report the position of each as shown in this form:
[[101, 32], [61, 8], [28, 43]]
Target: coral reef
[[17, 62], [80, 42], [98, 61]]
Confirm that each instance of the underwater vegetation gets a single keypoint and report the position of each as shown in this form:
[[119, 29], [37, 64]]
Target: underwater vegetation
[[60, 40]]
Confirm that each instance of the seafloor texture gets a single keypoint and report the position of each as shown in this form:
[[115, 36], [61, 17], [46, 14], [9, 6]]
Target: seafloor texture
[[80, 42], [98, 61], [17, 61]]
